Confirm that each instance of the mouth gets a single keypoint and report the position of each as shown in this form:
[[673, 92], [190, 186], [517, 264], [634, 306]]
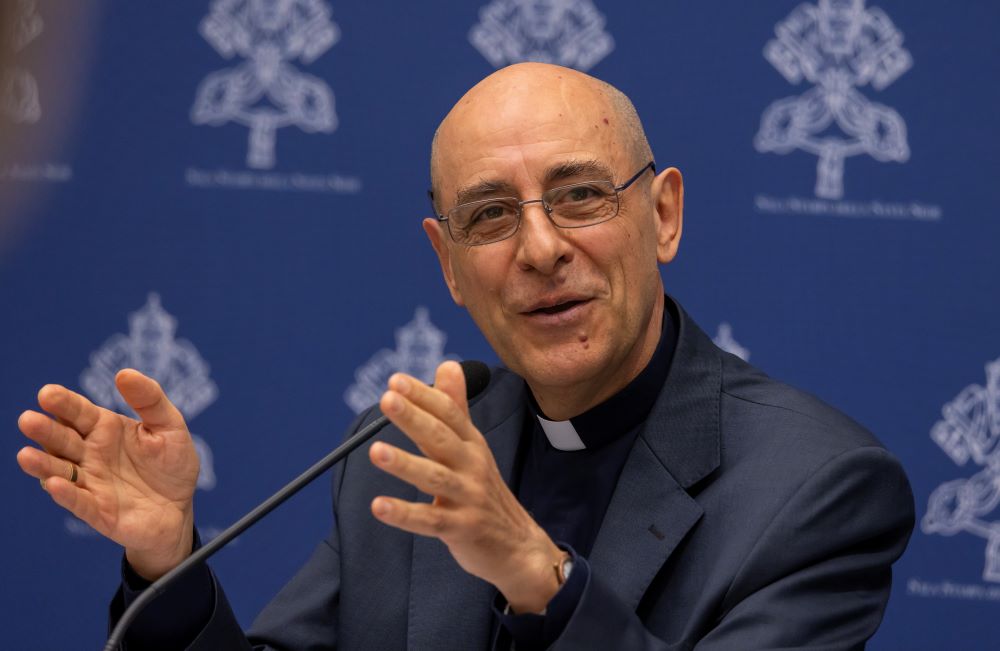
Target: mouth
[[557, 308]]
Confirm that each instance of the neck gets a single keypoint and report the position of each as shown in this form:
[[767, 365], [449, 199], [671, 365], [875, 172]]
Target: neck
[[566, 401]]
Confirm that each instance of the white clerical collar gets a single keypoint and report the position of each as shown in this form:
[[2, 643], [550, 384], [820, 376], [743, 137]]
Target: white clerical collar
[[561, 435]]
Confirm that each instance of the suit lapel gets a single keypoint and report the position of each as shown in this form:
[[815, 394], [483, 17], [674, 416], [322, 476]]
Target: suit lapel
[[651, 511], [648, 517], [448, 607]]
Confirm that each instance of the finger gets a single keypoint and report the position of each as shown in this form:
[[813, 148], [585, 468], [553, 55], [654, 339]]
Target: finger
[[450, 380], [75, 499], [145, 395], [69, 407], [56, 438], [418, 518], [434, 438], [438, 400], [428, 476], [44, 466]]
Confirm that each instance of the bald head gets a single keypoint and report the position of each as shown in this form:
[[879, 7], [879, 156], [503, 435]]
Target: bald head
[[520, 99], [569, 295]]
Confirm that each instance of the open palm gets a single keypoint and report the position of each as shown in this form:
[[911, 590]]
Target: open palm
[[135, 478]]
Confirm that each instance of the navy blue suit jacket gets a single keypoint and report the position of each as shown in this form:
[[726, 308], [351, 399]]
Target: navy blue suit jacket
[[748, 516]]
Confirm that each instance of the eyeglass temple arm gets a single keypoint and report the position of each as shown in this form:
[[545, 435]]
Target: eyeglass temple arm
[[437, 215], [651, 165]]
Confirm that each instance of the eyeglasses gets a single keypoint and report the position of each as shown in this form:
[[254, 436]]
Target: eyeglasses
[[568, 206]]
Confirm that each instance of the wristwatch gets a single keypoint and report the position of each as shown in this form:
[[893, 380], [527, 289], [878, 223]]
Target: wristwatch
[[562, 568]]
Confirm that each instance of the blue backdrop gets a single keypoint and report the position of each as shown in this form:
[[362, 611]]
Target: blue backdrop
[[228, 195]]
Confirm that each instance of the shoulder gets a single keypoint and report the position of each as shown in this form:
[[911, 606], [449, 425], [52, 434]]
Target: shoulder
[[777, 444], [791, 464], [781, 421], [758, 429]]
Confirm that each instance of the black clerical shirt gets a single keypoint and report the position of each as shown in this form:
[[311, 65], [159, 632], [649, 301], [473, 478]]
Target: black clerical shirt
[[565, 475]]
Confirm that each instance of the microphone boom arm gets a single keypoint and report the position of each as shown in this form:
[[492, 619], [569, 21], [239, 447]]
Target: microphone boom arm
[[477, 376], [201, 554]]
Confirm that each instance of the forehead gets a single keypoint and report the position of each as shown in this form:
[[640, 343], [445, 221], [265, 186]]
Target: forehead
[[515, 130]]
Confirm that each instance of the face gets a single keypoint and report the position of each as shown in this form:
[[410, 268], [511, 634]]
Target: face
[[576, 312]]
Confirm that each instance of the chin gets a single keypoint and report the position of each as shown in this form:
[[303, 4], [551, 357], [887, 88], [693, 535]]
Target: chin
[[562, 366]]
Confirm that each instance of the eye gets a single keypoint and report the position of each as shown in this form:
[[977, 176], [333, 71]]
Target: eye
[[490, 212], [581, 193], [580, 196]]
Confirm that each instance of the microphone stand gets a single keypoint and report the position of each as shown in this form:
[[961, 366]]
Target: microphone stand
[[477, 376], [238, 527]]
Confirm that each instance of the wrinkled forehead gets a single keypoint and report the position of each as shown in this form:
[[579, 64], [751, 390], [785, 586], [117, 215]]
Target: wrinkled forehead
[[523, 124]]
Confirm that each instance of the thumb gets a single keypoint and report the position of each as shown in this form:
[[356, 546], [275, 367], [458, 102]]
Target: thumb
[[145, 395], [450, 379]]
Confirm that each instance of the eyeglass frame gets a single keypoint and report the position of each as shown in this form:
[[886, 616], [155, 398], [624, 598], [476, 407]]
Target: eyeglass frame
[[651, 165]]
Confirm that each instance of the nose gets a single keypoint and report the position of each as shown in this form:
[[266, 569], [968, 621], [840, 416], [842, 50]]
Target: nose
[[542, 246]]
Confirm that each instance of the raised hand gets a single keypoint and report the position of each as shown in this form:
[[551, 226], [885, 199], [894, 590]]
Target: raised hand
[[473, 512], [131, 480]]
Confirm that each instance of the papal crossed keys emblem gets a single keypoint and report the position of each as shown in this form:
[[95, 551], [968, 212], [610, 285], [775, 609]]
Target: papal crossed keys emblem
[[265, 92], [419, 350], [567, 32], [970, 430], [151, 348], [839, 46]]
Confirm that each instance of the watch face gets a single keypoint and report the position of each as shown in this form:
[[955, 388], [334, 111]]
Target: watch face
[[567, 567]]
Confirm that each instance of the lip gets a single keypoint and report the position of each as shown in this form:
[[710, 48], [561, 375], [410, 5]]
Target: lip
[[561, 318], [552, 301]]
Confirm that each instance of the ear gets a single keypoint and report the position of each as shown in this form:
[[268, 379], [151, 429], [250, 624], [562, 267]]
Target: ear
[[668, 195], [440, 241]]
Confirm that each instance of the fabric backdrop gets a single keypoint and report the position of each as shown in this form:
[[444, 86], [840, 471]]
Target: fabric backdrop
[[228, 195]]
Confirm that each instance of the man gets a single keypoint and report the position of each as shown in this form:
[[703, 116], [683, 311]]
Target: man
[[637, 489]]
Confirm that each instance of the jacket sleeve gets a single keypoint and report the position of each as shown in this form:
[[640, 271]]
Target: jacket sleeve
[[303, 613], [302, 616], [817, 579]]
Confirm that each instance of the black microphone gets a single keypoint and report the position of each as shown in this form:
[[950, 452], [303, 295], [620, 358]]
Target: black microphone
[[477, 376]]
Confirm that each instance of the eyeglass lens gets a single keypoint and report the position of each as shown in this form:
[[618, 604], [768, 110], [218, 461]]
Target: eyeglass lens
[[571, 206]]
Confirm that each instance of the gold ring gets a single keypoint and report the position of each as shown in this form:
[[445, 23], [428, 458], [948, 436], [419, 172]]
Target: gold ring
[[74, 476]]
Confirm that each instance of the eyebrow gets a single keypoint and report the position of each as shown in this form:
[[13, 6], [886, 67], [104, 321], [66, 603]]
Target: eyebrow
[[483, 189], [592, 170]]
